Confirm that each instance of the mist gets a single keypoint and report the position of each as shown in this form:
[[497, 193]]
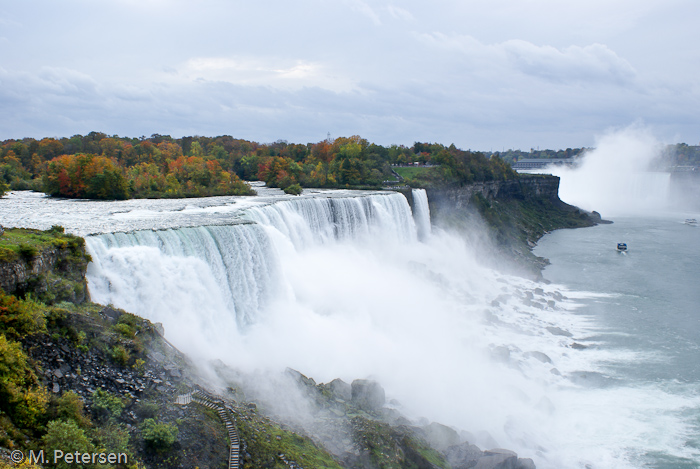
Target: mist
[[617, 177], [349, 291]]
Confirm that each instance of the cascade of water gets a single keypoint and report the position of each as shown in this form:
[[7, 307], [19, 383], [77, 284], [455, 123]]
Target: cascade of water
[[421, 213], [338, 288], [310, 221], [238, 258], [238, 264]]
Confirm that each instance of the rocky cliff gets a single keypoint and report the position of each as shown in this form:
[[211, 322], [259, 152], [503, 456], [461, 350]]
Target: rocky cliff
[[515, 213], [51, 265], [525, 187]]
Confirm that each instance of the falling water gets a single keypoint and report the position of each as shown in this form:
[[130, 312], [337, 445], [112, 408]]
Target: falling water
[[343, 288], [421, 213]]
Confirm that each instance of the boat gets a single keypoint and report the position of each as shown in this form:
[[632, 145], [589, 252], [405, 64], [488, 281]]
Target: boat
[[691, 222], [622, 247]]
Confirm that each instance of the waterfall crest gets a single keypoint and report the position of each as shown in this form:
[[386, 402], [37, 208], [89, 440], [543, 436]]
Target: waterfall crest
[[238, 258], [237, 265], [312, 221]]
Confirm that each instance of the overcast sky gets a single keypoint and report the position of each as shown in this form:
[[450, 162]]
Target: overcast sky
[[483, 74]]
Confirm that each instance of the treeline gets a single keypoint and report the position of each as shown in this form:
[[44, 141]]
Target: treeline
[[682, 154], [511, 156], [112, 167]]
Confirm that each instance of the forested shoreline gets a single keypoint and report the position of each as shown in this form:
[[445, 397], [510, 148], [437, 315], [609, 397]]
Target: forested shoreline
[[99, 166], [110, 167]]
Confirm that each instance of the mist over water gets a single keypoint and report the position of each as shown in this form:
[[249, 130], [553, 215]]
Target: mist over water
[[353, 288], [356, 294], [616, 178]]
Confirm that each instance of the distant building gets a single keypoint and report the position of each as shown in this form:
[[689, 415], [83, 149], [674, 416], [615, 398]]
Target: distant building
[[539, 163]]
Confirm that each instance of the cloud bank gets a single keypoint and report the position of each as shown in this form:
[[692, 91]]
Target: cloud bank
[[486, 76]]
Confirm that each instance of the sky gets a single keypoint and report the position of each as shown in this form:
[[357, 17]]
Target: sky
[[485, 75]]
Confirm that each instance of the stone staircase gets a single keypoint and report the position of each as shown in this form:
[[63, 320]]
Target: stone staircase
[[226, 413]]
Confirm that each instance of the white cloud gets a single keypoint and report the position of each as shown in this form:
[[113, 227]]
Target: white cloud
[[262, 71], [478, 73], [363, 8], [595, 62], [399, 13]]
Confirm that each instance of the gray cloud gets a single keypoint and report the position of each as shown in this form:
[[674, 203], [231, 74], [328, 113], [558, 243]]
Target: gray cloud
[[487, 76]]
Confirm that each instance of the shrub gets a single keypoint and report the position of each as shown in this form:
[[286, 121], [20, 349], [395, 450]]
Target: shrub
[[7, 255], [70, 407], [113, 438], [28, 251], [19, 318], [66, 437], [30, 407], [294, 189], [120, 355], [158, 436], [139, 365], [106, 405], [19, 396], [147, 410], [124, 330]]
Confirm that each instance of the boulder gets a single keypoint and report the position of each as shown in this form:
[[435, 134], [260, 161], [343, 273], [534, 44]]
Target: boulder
[[368, 395], [440, 436], [463, 456], [341, 389], [110, 314], [497, 459], [543, 357]]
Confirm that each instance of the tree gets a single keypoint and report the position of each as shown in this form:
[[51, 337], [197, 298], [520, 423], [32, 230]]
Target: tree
[[66, 437]]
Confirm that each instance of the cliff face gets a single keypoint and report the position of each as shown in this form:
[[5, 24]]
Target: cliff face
[[515, 213], [540, 187], [51, 270]]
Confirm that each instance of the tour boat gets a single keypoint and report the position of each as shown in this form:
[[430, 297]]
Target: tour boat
[[621, 247]]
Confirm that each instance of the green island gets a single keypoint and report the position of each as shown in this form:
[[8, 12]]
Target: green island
[[98, 166]]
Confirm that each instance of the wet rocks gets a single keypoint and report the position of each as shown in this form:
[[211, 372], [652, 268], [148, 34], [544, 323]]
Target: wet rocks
[[543, 357], [559, 331], [469, 456], [367, 395]]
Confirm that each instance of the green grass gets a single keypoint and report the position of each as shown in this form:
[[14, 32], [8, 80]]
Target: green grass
[[25, 243], [266, 440], [410, 172]]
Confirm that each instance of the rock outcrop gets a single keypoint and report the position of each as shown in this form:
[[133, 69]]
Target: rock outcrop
[[514, 213], [52, 273]]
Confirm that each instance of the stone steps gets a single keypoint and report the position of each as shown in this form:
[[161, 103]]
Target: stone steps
[[226, 413]]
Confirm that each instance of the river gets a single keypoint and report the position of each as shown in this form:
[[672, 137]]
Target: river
[[645, 304]]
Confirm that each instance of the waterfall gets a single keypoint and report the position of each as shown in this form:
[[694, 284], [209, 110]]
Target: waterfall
[[311, 221], [236, 261], [421, 213], [235, 268]]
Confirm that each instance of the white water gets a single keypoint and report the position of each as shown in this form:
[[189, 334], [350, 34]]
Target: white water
[[357, 295], [615, 178], [353, 294], [421, 213]]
